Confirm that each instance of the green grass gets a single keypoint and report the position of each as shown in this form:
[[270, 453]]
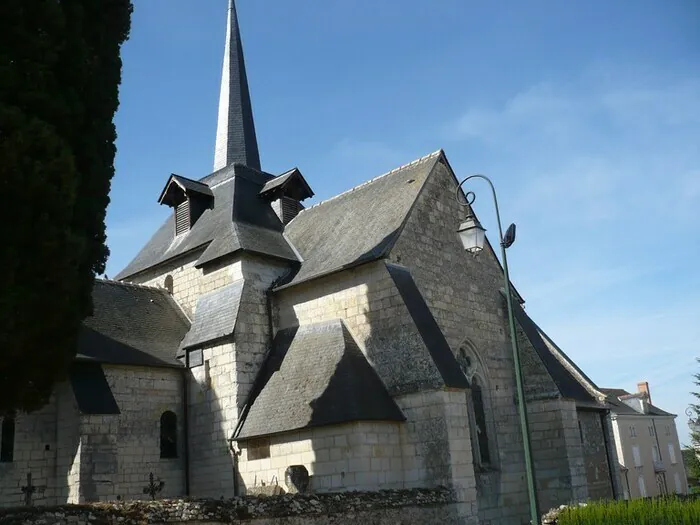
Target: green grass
[[662, 511]]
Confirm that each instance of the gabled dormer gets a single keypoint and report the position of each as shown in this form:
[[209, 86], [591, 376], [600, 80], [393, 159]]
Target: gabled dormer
[[188, 198], [285, 194]]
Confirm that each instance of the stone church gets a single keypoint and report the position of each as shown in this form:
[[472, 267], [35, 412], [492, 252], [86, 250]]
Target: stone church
[[354, 337]]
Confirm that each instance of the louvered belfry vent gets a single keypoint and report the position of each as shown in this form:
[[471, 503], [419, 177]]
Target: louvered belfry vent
[[188, 198], [182, 217], [290, 209]]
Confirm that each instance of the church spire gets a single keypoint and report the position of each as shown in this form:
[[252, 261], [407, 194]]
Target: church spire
[[235, 130]]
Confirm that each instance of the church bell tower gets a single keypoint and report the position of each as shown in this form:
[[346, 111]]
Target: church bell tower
[[235, 131]]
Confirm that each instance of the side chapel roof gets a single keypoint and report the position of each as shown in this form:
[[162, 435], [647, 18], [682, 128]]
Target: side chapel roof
[[132, 325], [342, 387]]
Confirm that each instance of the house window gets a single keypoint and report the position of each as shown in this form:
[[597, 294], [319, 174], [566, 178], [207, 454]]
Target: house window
[[580, 431], [672, 453], [637, 456], [655, 453], [182, 217], [168, 435], [633, 431], [258, 449], [7, 440], [642, 487], [677, 480]]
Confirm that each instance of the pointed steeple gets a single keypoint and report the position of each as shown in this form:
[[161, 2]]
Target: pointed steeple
[[235, 130]]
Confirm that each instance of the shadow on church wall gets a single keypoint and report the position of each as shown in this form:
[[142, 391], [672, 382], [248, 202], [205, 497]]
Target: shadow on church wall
[[212, 462]]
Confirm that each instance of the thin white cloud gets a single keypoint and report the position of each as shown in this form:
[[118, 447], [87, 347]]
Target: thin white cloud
[[602, 175]]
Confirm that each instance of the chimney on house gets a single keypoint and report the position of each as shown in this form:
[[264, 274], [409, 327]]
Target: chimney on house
[[643, 388]]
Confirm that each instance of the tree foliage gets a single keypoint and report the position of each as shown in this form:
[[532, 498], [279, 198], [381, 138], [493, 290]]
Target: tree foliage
[[692, 461], [60, 70]]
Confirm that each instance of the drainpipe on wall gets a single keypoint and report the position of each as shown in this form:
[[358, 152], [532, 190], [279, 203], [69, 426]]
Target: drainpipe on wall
[[608, 452], [658, 447]]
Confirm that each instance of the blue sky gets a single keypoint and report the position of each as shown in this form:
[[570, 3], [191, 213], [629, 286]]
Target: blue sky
[[586, 115]]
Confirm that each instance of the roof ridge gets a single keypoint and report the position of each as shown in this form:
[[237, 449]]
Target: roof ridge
[[370, 181], [130, 284]]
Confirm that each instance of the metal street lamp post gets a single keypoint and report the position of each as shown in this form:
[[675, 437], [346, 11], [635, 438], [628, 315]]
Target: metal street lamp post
[[472, 235]]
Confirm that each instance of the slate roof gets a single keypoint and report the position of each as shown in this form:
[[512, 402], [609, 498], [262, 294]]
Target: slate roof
[[315, 375], [613, 398], [363, 223], [215, 315], [186, 184], [292, 182], [569, 386], [235, 130], [132, 324], [239, 220]]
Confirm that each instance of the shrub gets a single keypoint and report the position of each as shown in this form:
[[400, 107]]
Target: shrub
[[660, 511]]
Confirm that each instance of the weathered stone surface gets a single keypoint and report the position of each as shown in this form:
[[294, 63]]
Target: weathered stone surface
[[383, 507]]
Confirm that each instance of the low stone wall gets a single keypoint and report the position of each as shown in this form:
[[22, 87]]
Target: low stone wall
[[390, 507]]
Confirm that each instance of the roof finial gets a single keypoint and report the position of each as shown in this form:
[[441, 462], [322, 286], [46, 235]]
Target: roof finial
[[235, 130]]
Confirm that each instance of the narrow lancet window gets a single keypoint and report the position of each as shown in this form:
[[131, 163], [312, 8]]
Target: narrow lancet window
[[7, 440], [168, 435], [480, 420]]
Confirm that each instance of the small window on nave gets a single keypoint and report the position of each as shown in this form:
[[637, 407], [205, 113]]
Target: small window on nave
[[7, 440], [258, 449], [480, 418], [168, 435], [168, 284]]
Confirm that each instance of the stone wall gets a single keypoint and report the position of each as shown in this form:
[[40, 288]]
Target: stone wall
[[463, 294], [142, 394], [435, 438], [356, 456], [35, 453], [557, 453], [218, 388], [76, 458], [595, 455], [367, 299], [434, 507], [212, 419]]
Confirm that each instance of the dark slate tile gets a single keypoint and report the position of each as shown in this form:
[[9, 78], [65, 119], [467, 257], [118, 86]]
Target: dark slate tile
[[343, 387], [215, 315], [132, 324], [359, 225], [240, 219]]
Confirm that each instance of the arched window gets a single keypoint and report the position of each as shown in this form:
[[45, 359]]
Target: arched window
[[168, 435], [480, 418], [7, 440], [480, 421], [169, 284]]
